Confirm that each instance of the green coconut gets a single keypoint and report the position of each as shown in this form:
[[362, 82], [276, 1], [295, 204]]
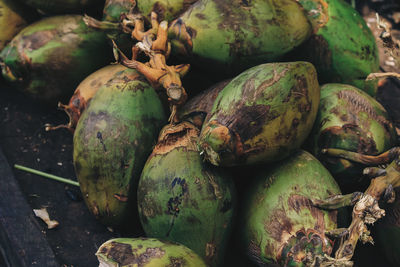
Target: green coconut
[[349, 119], [85, 92], [165, 9], [49, 58], [342, 48], [279, 223], [262, 115], [231, 36], [112, 140], [149, 252], [183, 199], [113, 9]]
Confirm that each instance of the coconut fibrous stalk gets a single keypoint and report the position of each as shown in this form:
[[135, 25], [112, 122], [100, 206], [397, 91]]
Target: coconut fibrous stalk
[[366, 208]]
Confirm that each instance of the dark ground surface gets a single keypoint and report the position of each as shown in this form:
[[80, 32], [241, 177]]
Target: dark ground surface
[[24, 141]]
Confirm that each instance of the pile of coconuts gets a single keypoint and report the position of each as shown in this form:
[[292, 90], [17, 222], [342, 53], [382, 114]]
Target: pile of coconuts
[[245, 166]]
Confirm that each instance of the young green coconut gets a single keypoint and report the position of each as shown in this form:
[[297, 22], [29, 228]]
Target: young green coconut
[[112, 140], [49, 58], [349, 119], [262, 115], [342, 48], [226, 36], [183, 199], [279, 223], [84, 93], [231, 36], [149, 252]]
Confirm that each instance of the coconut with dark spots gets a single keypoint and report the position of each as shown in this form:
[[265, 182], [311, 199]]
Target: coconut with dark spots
[[349, 119], [149, 252], [112, 140], [342, 48], [165, 9], [230, 36], [54, 7], [113, 9], [84, 93], [262, 115], [13, 19], [183, 199], [387, 231], [278, 220], [49, 58], [197, 108]]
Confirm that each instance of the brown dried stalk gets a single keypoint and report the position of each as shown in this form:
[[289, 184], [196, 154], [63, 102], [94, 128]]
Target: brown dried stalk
[[366, 209], [154, 43], [392, 47]]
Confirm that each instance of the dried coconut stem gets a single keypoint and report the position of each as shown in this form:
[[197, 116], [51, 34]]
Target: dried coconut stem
[[366, 210], [375, 76]]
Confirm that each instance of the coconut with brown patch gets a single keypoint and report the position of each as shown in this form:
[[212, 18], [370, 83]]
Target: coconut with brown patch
[[278, 220], [262, 115], [112, 140], [228, 36], [49, 58], [183, 199], [84, 93], [149, 252], [349, 119]]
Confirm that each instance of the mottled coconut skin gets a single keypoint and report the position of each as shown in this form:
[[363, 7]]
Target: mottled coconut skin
[[342, 48], [262, 115], [278, 221], [165, 9], [86, 90], [149, 252], [49, 58], [349, 119], [183, 199], [112, 140], [230, 36]]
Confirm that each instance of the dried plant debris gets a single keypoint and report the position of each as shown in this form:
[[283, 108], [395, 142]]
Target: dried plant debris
[[44, 215], [391, 47]]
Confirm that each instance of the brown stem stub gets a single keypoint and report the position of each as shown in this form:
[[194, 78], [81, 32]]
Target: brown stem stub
[[366, 208], [154, 43]]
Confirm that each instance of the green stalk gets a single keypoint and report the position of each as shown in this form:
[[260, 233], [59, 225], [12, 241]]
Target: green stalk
[[46, 175]]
